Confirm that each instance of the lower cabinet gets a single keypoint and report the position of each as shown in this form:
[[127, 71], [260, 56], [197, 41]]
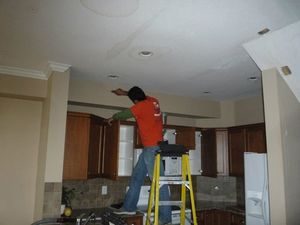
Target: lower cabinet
[[219, 217], [134, 220], [237, 219]]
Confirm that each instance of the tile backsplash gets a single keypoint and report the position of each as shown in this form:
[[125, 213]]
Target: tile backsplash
[[221, 189], [52, 199], [88, 192]]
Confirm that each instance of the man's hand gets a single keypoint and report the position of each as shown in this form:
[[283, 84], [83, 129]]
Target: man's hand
[[109, 121], [120, 91]]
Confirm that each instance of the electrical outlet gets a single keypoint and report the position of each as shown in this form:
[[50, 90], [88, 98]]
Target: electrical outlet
[[104, 190]]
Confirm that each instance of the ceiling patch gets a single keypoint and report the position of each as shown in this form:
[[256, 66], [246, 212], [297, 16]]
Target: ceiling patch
[[286, 70], [111, 8]]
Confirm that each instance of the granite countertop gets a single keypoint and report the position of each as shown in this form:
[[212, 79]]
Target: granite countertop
[[200, 205], [227, 206]]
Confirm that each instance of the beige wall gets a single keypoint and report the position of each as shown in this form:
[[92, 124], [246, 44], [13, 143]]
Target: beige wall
[[226, 119], [238, 112], [290, 133], [249, 111], [97, 93], [22, 87], [20, 123], [232, 113], [56, 104], [46, 156], [282, 111]]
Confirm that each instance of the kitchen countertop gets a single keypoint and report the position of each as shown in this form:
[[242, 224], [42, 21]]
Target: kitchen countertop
[[200, 205], [227, 206]]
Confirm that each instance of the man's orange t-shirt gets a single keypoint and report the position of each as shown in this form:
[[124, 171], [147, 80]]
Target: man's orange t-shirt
[[149, 120]]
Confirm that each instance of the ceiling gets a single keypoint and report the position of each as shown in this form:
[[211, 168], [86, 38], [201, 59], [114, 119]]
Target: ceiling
[[196, 44]]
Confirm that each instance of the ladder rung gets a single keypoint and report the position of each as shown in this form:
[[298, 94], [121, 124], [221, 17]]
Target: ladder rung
[[170, 178], [176, 203], [173, 182]]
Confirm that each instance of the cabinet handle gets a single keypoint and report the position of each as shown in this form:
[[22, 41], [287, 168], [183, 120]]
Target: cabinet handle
[[175, 133]]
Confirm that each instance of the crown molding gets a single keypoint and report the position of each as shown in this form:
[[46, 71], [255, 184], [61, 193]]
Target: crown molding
[[21, 72], [58, 67], [36, 74]]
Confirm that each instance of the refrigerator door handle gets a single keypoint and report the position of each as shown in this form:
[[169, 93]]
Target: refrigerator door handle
[[265, 198]]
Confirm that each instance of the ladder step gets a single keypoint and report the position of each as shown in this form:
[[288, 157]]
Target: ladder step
[[175, 203], [172, 180]]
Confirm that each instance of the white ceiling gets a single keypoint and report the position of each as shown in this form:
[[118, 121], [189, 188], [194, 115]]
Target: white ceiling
[[196, 44]]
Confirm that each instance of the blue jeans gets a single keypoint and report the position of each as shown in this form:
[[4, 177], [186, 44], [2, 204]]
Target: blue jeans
[[144, 166]]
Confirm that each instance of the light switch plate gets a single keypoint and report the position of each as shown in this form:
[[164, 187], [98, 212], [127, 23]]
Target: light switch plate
[[104, 190]]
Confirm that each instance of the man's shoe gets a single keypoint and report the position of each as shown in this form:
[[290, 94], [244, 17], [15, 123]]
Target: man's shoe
[[122, 211]]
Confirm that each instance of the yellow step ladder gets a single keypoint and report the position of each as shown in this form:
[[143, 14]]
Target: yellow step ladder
[[171, 150]]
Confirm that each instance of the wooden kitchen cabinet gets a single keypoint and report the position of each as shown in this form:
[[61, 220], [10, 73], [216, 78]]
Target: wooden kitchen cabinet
[[222, 152], [249, 138], [110, 150], [83, 142], [256, 138], [181, 135], [237, 219], [134, 220], [208, 152], [118, 152], [214, 152], [236, 149], [200, 217], [213, 217], [222, 217]]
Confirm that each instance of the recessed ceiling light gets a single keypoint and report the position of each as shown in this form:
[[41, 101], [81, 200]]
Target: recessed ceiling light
[[145, 53], [264, 31], [113, 76], [253, 78]]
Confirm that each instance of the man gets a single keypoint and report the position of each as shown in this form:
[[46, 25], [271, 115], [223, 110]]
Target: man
[[147, 114]]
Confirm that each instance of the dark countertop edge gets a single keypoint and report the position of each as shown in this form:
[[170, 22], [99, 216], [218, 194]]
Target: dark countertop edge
[[232, 207]]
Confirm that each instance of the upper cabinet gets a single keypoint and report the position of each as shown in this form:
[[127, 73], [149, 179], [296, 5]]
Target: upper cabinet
[[118, 151], [181, 135], [256, 138], [110, 151], [214, 152], [222, 152], [208, 152], [249, 138], [82, 154]]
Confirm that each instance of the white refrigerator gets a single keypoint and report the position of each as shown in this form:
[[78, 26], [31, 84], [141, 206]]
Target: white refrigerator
[[256, 189]]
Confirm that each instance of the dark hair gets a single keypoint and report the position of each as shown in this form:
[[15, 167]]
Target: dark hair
[[136, 93]]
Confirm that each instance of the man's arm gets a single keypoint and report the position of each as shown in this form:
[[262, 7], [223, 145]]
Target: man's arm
[[123, 115], [120, 92]]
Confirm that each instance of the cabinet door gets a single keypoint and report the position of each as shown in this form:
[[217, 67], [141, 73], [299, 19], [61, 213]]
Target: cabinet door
[[200, 217], [76, 146], [237, 219], [110, 151], [195, 156], [134, 220], [208, 153], [256, 139], [125, 159], [94, 157], [186, 136], [236, 148], [137, 139], [222, 152], [209, 217], [222, 217], [170, 136]]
